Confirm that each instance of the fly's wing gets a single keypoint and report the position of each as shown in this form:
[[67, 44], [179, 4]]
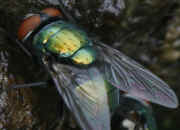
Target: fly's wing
[[131, 77], [84, 93]]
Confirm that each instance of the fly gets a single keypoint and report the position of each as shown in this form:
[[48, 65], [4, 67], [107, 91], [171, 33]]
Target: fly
[[87, 73]]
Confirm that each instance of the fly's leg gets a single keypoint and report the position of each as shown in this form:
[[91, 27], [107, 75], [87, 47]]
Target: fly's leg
[[65, 12], [16, 41], [19, 43], [29, 85], [41, 84]]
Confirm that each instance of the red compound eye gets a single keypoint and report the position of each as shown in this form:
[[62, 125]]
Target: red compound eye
[[31, 22]]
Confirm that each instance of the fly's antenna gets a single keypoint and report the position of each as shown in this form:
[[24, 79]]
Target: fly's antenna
[[15, 40]]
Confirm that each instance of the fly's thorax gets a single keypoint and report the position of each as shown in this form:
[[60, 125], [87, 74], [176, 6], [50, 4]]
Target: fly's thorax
[[60, 38], [41, 38]]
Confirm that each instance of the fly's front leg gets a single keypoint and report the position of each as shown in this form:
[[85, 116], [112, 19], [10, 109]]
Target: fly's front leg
[[16, 41], [65, 12]]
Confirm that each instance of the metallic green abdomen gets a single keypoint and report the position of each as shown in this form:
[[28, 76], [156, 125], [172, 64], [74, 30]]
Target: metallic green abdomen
[[66, 41]]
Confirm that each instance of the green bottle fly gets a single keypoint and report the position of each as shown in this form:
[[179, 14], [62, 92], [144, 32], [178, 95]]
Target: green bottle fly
[[90, 76]]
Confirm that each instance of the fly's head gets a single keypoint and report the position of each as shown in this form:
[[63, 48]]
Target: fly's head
[[32, 24], [32, 21]]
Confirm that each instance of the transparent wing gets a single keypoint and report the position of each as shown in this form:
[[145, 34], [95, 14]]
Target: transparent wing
[[84, 93], [131, 77]]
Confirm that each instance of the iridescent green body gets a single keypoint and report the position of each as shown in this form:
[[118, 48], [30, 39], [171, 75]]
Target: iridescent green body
[[66, 41], [96, 98], [89, 74]]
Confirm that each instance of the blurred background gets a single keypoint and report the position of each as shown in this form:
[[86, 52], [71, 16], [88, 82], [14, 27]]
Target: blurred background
[[145, 30]]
